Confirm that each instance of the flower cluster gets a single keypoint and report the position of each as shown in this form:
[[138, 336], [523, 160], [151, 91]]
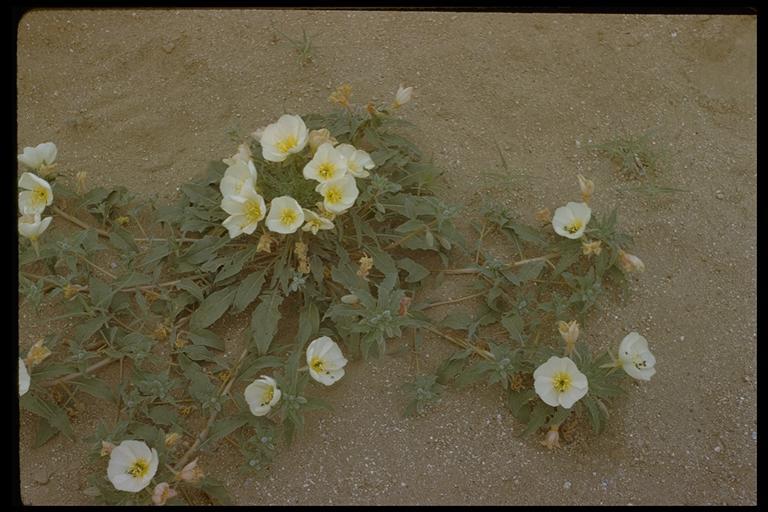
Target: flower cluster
[[37, 192], [333, 166]]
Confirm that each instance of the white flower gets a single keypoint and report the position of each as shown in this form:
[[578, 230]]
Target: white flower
[[327, 164], [42, 155], [285, 215], [403, 96], [559, 382], [358, 161], [23, 377], [30, 226], [262, 394], [571, 220], [236, 176], [635, 357], [339, 195], [132, 466], [314, 222], [288, 135], [325, 361], [245, 211], [36, 197], [243, 155], [163, 492]]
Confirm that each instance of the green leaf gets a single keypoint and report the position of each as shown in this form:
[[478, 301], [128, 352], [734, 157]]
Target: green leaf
[[84, 331], [309, 323], [188, 285], [212, 308], [235, 264], [260, 364], [264, 320], [54, 414], [223, 427], [513, 323], [163, 415], [537, 418], [100, 292], [215, 491], [248, 290], [206, 338], [94, 387], [415, 271]]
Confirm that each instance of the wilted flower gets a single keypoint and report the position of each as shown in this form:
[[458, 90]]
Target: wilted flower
[[37, 354], [323, 212], [287, 136], [243, 155], [314, 222], [319, 137], [587, 188], [544, 215], [403, 96], [325, 361], [171, 439], [405, 302], [241, 174], [245, 211], [132, 465], [571, 220], [630, 262], [552, 439], [359, 162], [36, 197], [327, 164], [106, 448], [366, 264], [190, 473], [265, 243], [570, 333], [23, 378], [262, 394], [122, 220], [558, 382], [635, 357], [258, 133], [161, 332], [300, 250], [350, 298], [81, 176], [341, 95], [40, 157], [592, 247], [285, 215], [163, 492], [339, 194]]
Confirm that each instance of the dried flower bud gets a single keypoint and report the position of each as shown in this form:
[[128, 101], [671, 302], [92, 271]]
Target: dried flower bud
[[122, 220], [160, 333], [171, 439], [81, 177], [544, 215], [371, 108], [402, 96], [630, 262], [552, 439], [303, 266], [350, 299], [366, 264], [319, 137], [592, 247], [404, 303], [47, 171], [163, 492], [570, 333], [265, 243], [70, 291], [106, 448], [180, 343], [186, 410], [37, 354], [191, 472], [300, 249], [323, 212], [587, 188]]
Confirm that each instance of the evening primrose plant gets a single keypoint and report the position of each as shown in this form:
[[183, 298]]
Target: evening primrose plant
[[225, 316]]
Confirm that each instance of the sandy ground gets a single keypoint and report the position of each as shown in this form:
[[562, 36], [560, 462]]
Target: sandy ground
[[145, 99]]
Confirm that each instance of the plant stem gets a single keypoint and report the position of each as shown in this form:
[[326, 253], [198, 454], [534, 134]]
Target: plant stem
[[464, 344], [456, 271], [409, 236], [90, 369], [453, 301], [75, 220]]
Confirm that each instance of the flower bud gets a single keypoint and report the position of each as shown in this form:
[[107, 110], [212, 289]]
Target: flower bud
[[371, 108], [552, 439], [319, 137], [404, 303], [544, 215], [258, 133], [122, 220], [81, 176], [160, 333], [366, 264], [630, 262], [587, 188], [350, 299], [403, 96], [163, 492], [191, 472], [592, 247], [106, 448], [570, 333]]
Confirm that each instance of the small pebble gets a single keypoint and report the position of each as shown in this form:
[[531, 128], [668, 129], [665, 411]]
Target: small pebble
[[168, 47], [718, 449], [42, 476], [754, 436], [719, 194], [567, 485]]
